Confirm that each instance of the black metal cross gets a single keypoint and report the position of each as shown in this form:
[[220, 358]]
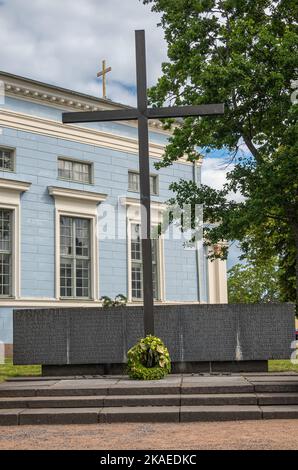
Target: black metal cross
[[142, 113]]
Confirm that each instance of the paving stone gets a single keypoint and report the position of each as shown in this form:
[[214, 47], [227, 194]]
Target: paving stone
[[60, 416], [280, 412], [219, 413], [216, 385], [275, 378], [27, 384], [71, 391], [85, 383], [153, 414]]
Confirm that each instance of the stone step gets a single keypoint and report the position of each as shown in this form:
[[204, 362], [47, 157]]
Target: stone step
[[149, 400], [286, 398], [142, 414], [55, 389], [129, 400], [219, 413]]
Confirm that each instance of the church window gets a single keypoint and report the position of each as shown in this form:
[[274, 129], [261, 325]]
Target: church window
[[5, 252], [75, 257], [73, 170], [6, 159], [136, 264], [134, 183]]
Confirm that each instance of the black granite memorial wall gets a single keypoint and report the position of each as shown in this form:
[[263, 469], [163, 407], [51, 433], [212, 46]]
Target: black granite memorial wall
[[234, 337]]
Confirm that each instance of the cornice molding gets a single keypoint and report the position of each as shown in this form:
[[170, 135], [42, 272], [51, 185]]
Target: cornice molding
[[66, 100], [14, 185], [49, 127], [86, 196], [131, 201]]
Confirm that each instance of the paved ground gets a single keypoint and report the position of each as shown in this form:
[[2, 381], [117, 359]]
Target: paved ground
[[279, 434]]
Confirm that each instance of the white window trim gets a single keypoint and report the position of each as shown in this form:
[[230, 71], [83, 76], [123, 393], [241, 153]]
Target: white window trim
[[13, 150], [81, 204], [134, 217], [74, 160], [10, 197], [136, 172]]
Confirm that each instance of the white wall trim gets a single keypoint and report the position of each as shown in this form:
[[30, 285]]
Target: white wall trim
[[83, 204], [217, 280], [64, 99], [134, 217], [88, 197], [12, 185], [10, 198], [75, 133], [37, 302], [135, 202]]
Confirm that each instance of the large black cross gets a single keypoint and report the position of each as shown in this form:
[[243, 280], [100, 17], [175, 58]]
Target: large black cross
[[142, 113]]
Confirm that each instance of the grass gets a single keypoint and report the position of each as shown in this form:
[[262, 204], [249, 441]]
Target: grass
[[9, 370], [282, 366]]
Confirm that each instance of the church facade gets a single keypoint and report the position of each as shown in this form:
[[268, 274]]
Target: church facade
[[60, 188]]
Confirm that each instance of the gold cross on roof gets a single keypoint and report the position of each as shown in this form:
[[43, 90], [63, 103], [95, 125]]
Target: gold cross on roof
[[102, 74]]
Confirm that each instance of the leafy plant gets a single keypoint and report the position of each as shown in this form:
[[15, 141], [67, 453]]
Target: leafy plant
[[119, 301], [244, 54], [149, 359], [254, 283]]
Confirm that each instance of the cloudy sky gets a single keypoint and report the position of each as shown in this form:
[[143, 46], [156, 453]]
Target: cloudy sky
[[64, 41]]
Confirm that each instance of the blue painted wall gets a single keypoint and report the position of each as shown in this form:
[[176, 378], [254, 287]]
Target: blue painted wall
[[36, 162]]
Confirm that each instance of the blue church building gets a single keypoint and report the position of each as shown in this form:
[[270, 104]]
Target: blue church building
[[60, 188]]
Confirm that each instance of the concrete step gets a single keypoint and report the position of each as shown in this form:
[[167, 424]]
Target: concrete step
[[128, 400], [276, 387], [142, 414], [219, 413], [280, 412], [286, 398], [56, 389], [14, 417]]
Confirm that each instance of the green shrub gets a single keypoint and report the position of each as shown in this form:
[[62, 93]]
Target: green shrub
[[120, 301], [149, 359]]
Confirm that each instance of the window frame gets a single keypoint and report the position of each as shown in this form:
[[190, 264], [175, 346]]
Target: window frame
[[13, 153], [152, 175], [159, 263], [80, 204], [94, 261], [75, 258], [74, 161], [10, 252]]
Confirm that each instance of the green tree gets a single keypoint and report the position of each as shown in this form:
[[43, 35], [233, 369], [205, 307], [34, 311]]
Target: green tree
[[243, 53], [248, 283]]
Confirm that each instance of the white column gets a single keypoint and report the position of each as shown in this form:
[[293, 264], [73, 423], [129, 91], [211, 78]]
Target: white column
[[217, 279]]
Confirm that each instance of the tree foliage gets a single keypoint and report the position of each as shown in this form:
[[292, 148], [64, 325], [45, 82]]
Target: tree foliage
[[253, 283], [243, 53]]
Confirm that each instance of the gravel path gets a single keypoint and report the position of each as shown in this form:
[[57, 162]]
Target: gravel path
[[277, 434]]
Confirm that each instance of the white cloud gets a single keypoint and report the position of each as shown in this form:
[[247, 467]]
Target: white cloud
[[214, 171], [64, 42]]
